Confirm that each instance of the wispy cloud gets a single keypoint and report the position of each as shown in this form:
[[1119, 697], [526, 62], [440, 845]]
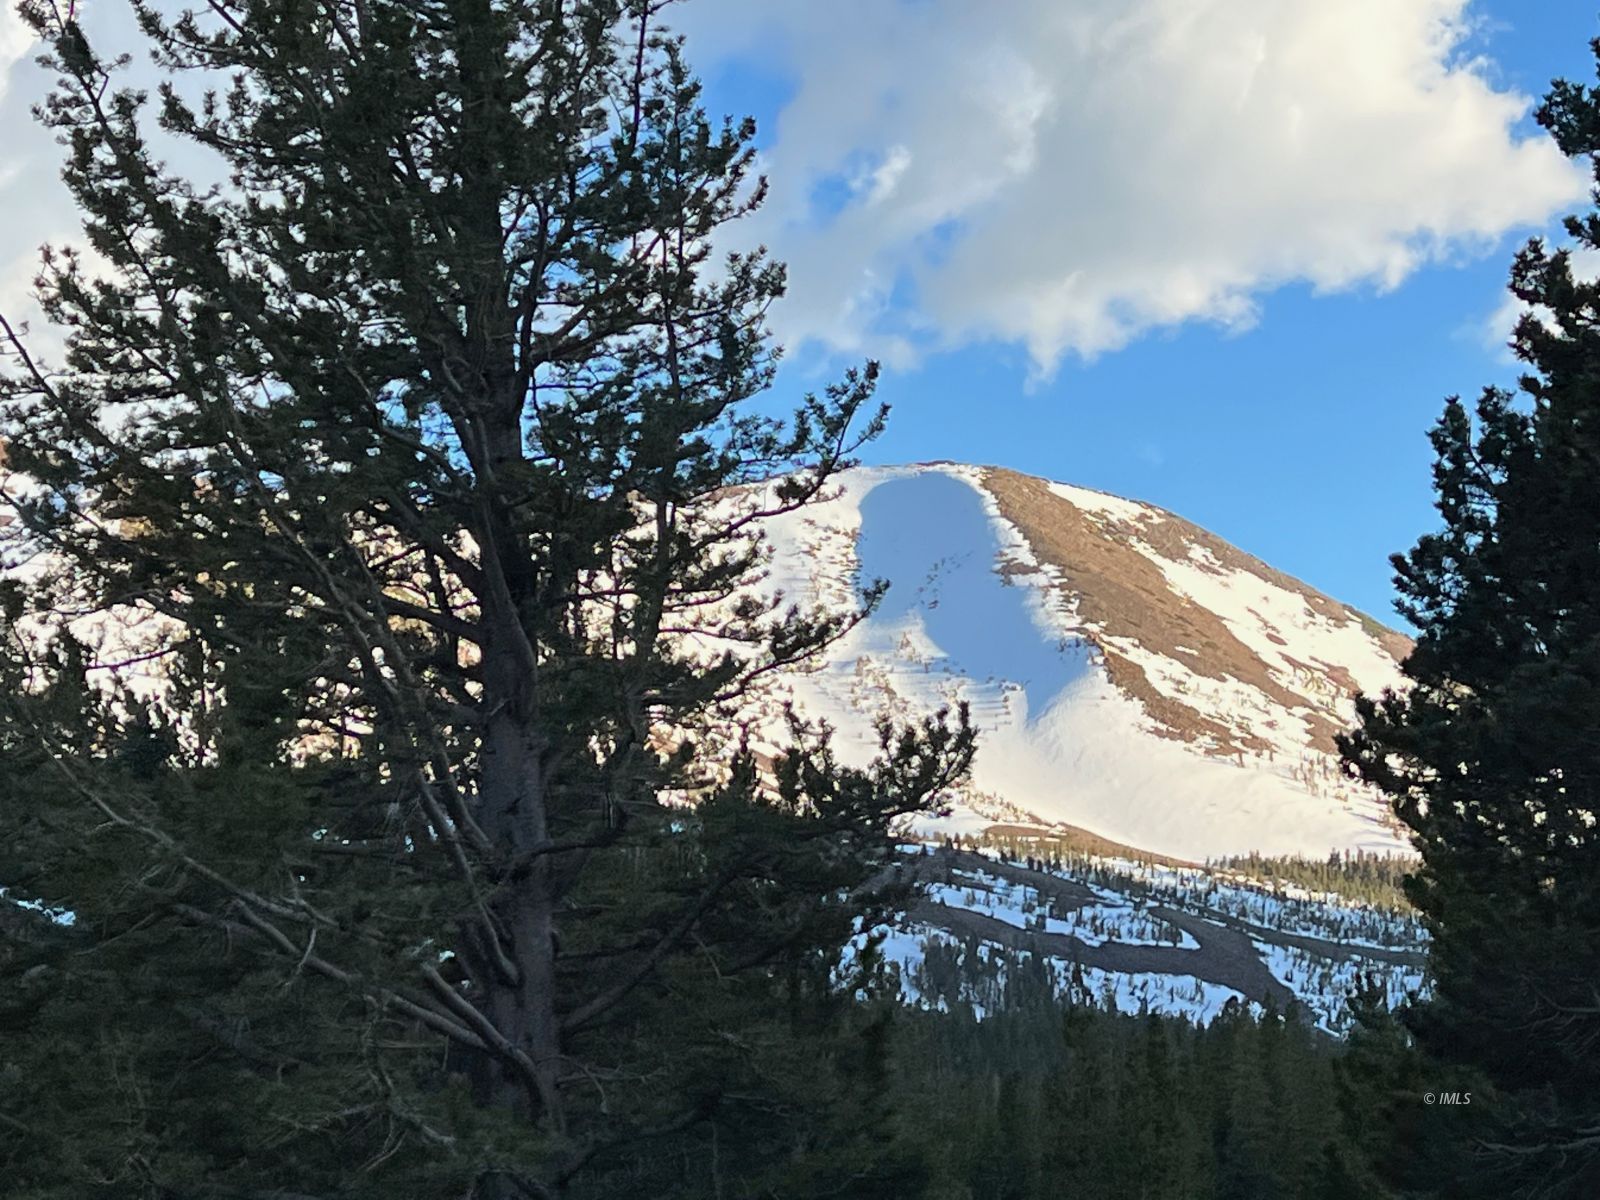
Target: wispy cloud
[[16, 39], [1499, 325]]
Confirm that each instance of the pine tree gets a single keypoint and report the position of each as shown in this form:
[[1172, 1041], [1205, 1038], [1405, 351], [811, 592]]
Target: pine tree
[[1491, 757], [396, 517], [1382, 1128], [1249, 1149]]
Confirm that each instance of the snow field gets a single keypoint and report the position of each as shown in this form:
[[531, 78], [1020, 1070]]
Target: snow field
[[972, 615]]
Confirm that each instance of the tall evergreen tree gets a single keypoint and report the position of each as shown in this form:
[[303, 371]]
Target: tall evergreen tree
[[395, 515], [1491, 757]]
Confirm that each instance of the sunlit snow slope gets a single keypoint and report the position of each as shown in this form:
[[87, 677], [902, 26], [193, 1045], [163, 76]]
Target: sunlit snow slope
[[1130, 673]]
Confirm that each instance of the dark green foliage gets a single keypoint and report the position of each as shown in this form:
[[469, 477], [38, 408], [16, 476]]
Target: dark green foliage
[[1371, 879], [1038, 1101], [1374, 880], [415, 455], [1389, 1134], [1492, 758]]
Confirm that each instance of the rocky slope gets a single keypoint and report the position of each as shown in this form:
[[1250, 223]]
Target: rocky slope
[[1132, 674]]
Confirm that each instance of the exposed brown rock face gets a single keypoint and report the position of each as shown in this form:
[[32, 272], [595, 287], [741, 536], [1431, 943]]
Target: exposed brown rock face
[[1119, 593]]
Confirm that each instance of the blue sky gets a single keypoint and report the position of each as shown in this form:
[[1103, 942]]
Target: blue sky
[[1297, 431], [1226, 256]]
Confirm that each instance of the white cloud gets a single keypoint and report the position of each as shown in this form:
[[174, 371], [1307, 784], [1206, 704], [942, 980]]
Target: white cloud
[[1069, 174], [882, 180], [1062, 174], [1499, 325], [16, 39]]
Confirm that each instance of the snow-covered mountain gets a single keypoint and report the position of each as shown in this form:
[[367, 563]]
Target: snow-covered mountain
[[1131, 674], [1133, 677]]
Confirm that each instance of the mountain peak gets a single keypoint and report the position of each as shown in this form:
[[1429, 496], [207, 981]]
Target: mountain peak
[[1131, 673]]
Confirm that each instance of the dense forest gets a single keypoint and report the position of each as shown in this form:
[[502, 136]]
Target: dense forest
[[1039, 1102], [1376, 879], [1365, 877]]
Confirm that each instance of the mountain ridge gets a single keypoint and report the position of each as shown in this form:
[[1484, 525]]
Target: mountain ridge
[[1132, 674]]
